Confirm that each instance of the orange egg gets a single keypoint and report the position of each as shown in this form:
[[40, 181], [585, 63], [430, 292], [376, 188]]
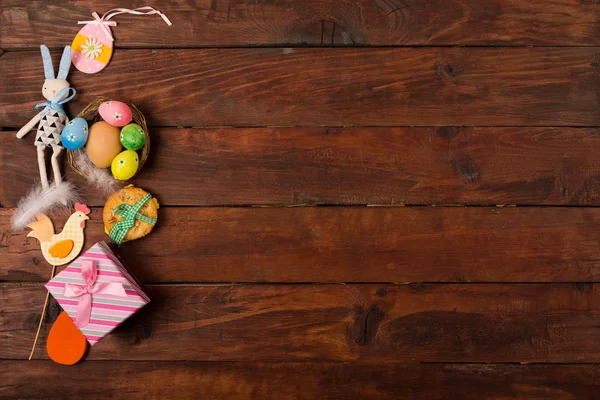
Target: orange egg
[[66, 344], [103, 144]]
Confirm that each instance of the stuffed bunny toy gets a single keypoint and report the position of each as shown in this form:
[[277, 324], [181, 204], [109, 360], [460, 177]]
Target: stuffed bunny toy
[[52, 119]]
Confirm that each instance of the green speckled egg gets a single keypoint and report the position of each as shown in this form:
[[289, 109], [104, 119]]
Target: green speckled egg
[[133, 137]]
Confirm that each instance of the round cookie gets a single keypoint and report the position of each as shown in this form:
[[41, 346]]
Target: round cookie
[[130, 195]]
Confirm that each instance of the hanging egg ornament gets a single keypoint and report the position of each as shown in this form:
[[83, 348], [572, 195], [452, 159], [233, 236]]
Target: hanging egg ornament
[[125, 165], [115, 113], [92, 48], [75, 134], [93, 45], [133, 137], [103, 144]]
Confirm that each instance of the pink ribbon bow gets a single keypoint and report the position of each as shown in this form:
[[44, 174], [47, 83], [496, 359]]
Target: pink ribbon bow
[[104, 22], [85, 292]]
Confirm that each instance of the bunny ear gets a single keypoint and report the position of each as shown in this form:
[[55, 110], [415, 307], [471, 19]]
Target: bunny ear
[[48, 68], [65, 63]]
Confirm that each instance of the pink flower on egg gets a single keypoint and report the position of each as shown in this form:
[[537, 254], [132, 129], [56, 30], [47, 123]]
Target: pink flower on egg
[[117, 116]]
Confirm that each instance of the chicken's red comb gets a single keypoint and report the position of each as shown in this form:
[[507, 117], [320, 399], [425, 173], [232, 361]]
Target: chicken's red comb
[[82, 207]]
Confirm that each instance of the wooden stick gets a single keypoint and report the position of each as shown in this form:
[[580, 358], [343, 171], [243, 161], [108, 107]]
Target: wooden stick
[[37, 334]]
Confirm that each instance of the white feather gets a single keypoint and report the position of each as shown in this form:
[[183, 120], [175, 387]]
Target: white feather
[[39, 200], [99, 178]]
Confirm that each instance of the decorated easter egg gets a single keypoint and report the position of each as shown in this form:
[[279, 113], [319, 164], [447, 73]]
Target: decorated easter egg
[[75, 134], [92, 48], [103, 144], [115, 113], [125, 165], [133, 137]]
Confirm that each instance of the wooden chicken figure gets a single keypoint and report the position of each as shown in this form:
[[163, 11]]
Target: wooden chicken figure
[[62, 248]]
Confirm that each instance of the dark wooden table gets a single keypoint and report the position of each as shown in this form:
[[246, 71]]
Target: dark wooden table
[[361, 199]]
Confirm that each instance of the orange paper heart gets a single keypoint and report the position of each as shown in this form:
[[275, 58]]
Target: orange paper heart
[[66, 344]]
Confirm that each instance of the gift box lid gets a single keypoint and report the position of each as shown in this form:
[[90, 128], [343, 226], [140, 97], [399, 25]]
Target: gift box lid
[[108, 310]]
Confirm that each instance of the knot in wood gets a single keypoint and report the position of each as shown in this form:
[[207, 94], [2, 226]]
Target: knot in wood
[[464, 166], [447, 132], [52, 312], [366, 325], [144, 329], [449, 69]]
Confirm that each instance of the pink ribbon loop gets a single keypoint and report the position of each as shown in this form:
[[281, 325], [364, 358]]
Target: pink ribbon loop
[[86, 291], [104, 22]]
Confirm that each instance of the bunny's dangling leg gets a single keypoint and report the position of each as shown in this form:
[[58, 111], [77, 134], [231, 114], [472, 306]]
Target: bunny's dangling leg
[[55, 168], [42, 166]]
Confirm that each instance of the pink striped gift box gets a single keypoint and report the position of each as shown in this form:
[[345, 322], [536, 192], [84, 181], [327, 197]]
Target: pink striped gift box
[[108, 311]]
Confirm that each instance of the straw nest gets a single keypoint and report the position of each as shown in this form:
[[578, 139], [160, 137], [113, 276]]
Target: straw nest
[[91, 115]]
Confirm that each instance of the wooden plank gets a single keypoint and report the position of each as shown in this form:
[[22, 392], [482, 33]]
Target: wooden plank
[[428, 323], [206, 380], [552, 166], [312, 22], [400, 244], [324, 87]]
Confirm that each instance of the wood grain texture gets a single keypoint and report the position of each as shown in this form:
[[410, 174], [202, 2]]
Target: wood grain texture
[[501, 284], [313, 22], [325, 87], [204, 167], [429, 323], [335, 381], [375, 244]]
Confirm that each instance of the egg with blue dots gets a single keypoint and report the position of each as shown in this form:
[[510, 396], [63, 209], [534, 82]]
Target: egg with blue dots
[[75, 134]]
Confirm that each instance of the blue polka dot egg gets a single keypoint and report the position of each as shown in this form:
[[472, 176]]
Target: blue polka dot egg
[[75, 134]]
